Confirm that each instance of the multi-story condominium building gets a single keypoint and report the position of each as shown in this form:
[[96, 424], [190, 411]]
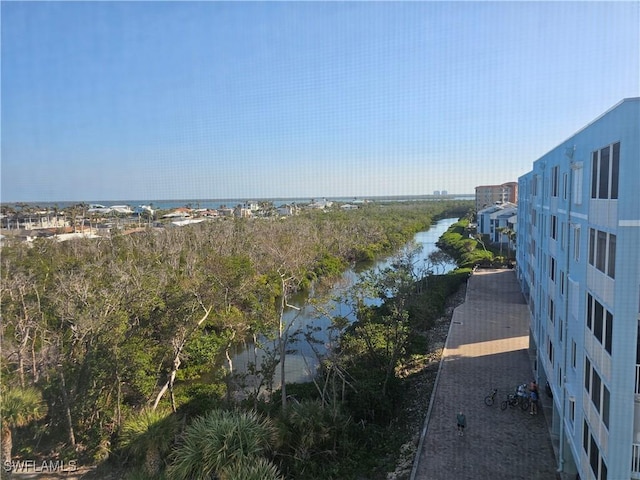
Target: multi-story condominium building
[[578, 262], [487, 195]]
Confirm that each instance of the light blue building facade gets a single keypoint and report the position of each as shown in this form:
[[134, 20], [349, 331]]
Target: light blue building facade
[[578, 262]]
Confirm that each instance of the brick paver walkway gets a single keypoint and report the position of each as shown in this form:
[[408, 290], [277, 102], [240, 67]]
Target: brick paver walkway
[[486, 348]]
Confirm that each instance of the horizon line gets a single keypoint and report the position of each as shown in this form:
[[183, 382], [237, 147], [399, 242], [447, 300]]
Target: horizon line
[[200, 199]]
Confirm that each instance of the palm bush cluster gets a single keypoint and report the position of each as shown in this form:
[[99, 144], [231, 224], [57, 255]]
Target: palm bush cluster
[[18, 408], [226, 445]]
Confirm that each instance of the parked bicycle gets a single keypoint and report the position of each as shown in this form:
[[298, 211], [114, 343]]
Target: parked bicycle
[[519, 397], [489, 399]]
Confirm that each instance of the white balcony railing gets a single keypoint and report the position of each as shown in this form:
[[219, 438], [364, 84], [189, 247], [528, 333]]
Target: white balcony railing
[[635, 461]]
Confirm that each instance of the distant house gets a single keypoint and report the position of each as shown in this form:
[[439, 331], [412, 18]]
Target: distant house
[[63, 237], [242, 212], [181, 212], [490, 219], [210, 213], [321, 204], [349, 206], [225, 212], [96, 208], [187, 221], [287, 210], [122, 209]]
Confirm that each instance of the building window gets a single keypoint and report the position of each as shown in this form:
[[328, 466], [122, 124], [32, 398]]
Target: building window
[[552, 269], [594, 453], [605, 164], [585, 437], [598, 391], [555, 179], [587, 374], [562, 282], [565, 185], [552, 311], [573, 354], [576, 244], [602, 251], [606, 400], [572, 411], [600, 322], [608, 331], [615, 170], [554, 227], [611, 260], [598, 466], [577, 184]]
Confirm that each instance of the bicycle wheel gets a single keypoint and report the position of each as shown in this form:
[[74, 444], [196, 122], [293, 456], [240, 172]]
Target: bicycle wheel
[[503, 405], [524, 404], [488, 400]]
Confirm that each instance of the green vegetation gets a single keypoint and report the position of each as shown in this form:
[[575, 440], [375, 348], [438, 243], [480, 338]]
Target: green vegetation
[[128, 341], [470, 249], [465, 246]]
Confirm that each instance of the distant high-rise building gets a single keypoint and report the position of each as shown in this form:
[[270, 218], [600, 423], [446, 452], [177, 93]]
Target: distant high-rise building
[[444, 192], [579, 267], [436, 192], [487, 195]]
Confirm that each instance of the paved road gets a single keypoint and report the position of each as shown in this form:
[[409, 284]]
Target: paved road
[[486, 348]]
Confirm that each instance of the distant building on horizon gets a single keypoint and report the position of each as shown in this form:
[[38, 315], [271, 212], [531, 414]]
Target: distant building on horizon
[[487, 195]]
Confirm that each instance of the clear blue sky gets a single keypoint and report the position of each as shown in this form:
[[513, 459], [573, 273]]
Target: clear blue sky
[[159, 100]]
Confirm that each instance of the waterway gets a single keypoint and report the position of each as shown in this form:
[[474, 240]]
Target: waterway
[[302, 363]]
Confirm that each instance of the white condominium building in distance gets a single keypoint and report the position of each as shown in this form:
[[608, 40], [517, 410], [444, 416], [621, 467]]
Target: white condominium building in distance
[[578, 262]]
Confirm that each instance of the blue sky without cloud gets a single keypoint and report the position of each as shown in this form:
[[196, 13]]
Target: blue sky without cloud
[[168, 100]]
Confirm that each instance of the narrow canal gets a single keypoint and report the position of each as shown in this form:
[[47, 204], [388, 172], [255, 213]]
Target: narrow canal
[[302, 362]]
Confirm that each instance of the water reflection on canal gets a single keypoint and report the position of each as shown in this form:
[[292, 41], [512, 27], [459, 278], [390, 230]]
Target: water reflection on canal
[[300, 366]]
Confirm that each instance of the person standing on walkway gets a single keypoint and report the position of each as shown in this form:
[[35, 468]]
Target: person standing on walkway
[[533, 394], [462, 423]]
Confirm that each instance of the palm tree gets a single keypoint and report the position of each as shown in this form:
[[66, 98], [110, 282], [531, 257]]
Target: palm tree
[[150, 434], [18, 408], [223, 441], [511, 236]]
